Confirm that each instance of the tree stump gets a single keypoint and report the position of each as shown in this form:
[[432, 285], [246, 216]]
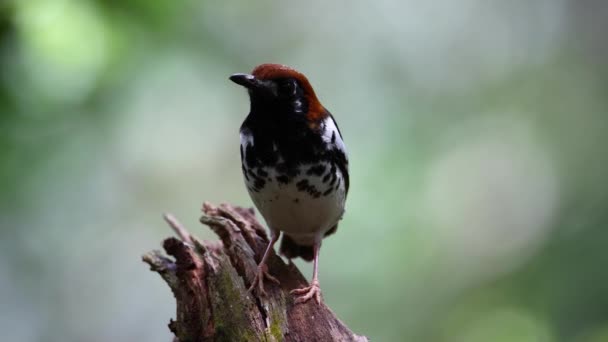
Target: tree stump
[[209, 280]]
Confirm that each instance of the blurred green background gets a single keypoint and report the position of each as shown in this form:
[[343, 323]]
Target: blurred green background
[[477, 139]]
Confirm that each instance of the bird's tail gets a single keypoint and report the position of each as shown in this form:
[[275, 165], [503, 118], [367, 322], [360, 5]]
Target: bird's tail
[[291, 249]]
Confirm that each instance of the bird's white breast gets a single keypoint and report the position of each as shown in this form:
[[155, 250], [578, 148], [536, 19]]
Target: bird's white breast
[[309, 204], [294, 210]]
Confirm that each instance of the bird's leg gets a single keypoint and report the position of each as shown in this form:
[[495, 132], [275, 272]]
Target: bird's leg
[[262, 271], [314, 290]]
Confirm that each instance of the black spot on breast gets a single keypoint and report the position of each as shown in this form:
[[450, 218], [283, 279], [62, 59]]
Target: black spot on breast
[[333, 137], [262, 173], [316, 170], [291, 170], [338, 158], [333, 179], [241, 153], [296, 200], [258, 184], [333, 168], [331, 173], [283, 179], [310, 189], [303, 184], [328, 191], [326, 177]]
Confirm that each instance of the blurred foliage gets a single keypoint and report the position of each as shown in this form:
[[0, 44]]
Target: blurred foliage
[[477, 138]]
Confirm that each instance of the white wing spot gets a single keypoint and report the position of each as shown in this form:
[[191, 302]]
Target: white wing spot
[[330, 129], [246, 139]]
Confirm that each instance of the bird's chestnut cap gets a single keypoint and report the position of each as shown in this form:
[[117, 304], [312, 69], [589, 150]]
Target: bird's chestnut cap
[[268, 72]]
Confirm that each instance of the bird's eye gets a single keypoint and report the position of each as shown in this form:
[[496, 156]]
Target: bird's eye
[[289, 87]]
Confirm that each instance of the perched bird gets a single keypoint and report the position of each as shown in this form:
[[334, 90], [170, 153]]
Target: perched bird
[[295, 166]]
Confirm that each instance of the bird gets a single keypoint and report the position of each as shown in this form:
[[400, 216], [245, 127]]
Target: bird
[[295, 167]]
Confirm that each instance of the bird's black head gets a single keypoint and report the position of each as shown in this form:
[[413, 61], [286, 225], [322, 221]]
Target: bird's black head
[[281, 95], [280, 92]]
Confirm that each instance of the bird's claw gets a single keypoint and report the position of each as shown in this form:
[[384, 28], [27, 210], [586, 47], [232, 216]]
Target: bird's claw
[[258, 281], [306, 293]]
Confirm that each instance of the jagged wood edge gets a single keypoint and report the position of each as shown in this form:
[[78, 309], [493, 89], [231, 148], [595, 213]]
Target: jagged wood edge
[[209, 280]]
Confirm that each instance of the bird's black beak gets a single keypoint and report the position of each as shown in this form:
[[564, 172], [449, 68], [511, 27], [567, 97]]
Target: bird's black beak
[[246, 80]]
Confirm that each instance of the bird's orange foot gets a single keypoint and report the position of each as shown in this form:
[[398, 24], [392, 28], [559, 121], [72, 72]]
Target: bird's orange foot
[[306, 293], [258, 281]]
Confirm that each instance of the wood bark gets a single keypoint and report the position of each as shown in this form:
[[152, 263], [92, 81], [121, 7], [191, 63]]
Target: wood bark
[[209, 280]]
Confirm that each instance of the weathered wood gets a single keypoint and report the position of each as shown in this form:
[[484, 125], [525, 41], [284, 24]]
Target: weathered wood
[[209, 280]]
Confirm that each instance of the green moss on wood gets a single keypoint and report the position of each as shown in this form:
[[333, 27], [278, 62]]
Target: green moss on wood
[[276, 323], [230, 312]]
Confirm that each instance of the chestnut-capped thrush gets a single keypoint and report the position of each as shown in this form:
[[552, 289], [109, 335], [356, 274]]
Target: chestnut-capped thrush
[[295, 166]]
